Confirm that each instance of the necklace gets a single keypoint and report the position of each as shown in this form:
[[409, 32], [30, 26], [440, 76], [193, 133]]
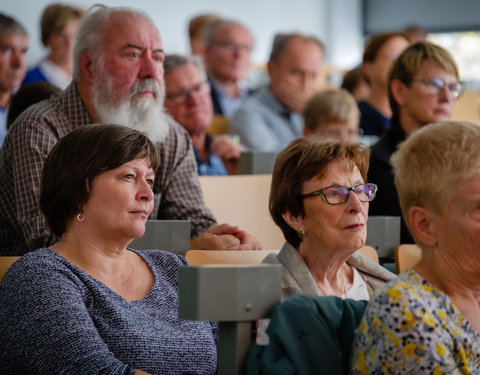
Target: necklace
[[344, 289]]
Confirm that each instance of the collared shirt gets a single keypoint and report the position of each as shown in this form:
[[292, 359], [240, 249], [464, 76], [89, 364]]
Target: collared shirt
[[33, 135], [223, 103], [264, 124], [213, 166], [3, 123]]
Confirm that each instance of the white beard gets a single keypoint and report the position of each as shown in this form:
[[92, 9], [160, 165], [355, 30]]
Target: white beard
[[144, 114]]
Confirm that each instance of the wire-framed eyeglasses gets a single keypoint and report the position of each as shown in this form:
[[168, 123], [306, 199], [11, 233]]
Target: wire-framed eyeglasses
[[340, 194], [437, 85]]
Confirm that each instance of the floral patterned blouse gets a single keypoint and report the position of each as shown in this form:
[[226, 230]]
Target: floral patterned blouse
[[411, 327]]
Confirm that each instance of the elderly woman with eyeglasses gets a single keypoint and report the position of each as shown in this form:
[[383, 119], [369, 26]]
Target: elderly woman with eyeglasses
[[319, 199]]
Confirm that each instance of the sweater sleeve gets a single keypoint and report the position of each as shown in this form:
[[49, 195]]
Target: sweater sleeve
[[45, 325]]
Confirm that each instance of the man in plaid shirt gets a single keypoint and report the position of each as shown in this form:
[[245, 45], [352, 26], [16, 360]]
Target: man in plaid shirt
[[118, 78]]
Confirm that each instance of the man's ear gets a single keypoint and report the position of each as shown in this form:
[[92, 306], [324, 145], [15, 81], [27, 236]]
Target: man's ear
[[86, 66], [398, 89], [271, 65], [422, 225], [293, 221]]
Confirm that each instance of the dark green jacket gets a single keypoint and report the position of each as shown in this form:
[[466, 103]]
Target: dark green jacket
[[308, 335]]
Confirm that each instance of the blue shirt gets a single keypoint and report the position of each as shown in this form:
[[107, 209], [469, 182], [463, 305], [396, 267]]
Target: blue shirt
[[3, 123], [264, 124], [213, 166], [223, 103]]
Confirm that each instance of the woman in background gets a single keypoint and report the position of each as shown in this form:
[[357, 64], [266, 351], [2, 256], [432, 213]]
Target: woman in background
[[58, 27]]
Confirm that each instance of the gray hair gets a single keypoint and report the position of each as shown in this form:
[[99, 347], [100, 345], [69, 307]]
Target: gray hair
[[173, 62], [281, 41], [9, 25], [212, 27], [90, 31]]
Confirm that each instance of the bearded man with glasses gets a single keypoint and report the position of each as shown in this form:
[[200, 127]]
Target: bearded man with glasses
[[423, 86], [319, 199]]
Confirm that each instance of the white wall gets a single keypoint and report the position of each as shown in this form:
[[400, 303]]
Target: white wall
[[336, 22]]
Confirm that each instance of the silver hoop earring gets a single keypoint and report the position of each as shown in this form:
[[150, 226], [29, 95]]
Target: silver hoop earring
[[80, 217]]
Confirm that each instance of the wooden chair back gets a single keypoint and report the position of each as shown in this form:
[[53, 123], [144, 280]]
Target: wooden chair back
[[202, 257], [369, 252], [218, 126], [467, 107], [5, 263], [243, 201], [406, 256]]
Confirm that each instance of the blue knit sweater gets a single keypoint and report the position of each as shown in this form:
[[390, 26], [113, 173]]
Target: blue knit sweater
[[55, 318]]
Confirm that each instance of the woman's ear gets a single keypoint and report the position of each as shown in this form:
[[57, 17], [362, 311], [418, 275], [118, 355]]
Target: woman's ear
[[295, 222], [398, 89], [422, 225]]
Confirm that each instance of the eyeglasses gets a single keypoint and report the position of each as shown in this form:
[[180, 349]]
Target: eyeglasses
[[180, 96], [437, 85], [232, 47], [340, 194]]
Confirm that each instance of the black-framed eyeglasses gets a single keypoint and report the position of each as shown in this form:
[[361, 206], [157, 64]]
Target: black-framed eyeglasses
[[437, 85], [181, 95], [340, 194]]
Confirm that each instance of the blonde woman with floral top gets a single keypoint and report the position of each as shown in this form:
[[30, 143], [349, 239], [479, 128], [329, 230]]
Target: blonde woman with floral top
[[427, 321]]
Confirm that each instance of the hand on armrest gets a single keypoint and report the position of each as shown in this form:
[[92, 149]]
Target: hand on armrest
[[225, 237]]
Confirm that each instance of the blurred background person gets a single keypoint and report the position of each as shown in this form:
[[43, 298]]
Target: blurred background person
[[319, 199], [187, 99], [426, 321], [111, 309], [416, 33], [58, 27], [228, 46], [13, 65], [271, 118], [356, 84], [196, 32], [423, 87], [334, 114], [380, 53], [28, 95]]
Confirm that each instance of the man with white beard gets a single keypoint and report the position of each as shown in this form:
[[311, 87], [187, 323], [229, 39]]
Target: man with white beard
[[117, 78]]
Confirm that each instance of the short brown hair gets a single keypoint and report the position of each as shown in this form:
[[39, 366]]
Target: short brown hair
[[377, 41], [78, 158], [330, 106], [432, 162], [196, 25], [301, 160], [55, 17], [409, 63]]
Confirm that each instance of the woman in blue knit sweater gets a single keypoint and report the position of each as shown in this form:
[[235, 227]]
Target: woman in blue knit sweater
[[89, 304]]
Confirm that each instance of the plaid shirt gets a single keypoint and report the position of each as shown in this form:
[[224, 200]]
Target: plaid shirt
[[22, 226]]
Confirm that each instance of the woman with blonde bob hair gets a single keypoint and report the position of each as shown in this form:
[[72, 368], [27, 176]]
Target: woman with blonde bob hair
[[319, 199], [427, 320]]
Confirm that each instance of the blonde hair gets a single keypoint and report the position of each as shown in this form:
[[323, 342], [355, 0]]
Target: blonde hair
[[409, 63], [330, 106], [430, 164]]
